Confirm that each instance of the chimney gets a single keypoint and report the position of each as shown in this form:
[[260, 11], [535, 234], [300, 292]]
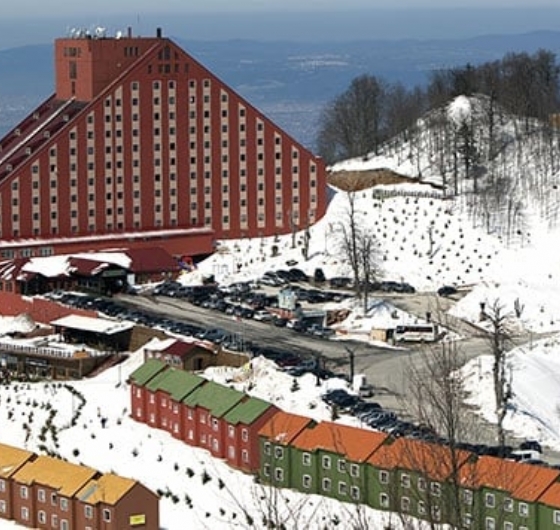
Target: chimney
[[158, 33], [129, 32]]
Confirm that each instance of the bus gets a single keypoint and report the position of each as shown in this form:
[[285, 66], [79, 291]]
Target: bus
[[416, 333]]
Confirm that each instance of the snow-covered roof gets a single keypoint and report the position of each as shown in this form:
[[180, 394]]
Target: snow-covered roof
[[95, 325]]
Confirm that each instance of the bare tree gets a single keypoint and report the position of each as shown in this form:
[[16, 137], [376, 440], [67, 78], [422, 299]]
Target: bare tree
[[437, 399], [361, 249], [499, 338]]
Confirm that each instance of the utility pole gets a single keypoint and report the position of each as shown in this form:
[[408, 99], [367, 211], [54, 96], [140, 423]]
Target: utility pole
[[351, 354]]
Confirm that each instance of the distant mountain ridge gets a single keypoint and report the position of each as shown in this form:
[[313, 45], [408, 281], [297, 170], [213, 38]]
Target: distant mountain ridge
[[289, 80]]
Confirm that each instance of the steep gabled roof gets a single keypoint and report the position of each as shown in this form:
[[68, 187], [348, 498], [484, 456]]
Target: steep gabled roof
[[355, 443], [247, 411], [144, 373], [107, 489], [177, 383], [283, 427], [522, 481], [215, 398], [430, 459], [11, 459], [64, 477]]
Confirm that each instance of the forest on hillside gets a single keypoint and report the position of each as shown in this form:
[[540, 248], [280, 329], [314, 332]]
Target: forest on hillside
[[487, 134]]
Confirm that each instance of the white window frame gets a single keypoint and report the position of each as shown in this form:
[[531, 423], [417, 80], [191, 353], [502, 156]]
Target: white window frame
[[23, 492], [489, 500], [245, 434], [279, 474], [508, 525], [489, 523], [267, 448], [421, 508], [468, 497], [523, 509], [306, 481], [306, 459], [2, 485], [106, 515], [42, 516], [435, 489], [24, 513], [355, 493], [556, 517], [354, 470], [41, 497], [405, 480], [326, 462], [3, 507], [63, 504], [383, 476], [326, 484], [405, 504], [342, 488], [384, 500], [508, 504], [278, 452], [88, 511], [341, 465]]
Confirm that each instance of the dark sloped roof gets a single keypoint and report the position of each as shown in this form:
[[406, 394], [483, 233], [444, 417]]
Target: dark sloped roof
[[147, 371], [215, 398], [151, 260], [247, 411]]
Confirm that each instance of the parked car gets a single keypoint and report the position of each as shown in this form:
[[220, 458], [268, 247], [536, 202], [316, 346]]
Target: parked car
[[263, 316], [320, 331], [446, 290]]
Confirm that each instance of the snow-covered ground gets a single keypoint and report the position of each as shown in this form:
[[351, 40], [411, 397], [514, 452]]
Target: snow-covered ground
[[426, 241], [199, 492]]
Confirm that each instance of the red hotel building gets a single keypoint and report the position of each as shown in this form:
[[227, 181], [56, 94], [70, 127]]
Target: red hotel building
[[142, 146]]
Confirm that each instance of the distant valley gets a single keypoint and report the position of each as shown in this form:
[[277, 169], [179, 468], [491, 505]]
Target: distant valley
[[289, 81]]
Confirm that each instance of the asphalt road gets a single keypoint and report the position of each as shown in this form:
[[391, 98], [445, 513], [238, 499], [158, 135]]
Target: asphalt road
[[386, 368]]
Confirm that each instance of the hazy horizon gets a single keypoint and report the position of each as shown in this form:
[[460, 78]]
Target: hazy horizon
[[325, 25]]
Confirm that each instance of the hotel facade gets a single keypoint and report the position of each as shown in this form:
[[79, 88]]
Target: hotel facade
[[142, 146]]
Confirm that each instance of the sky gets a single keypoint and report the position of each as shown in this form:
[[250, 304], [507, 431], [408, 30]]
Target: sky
[[30, 22], [57, 7]]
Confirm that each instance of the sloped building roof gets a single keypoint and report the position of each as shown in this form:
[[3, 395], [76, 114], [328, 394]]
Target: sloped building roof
[[107, 489], [12, 458], [283, 427], [147, 371], [247, 411], [177, 383], [62, 476], [431, 459], [522, 481], [356, 443], [215, 398]]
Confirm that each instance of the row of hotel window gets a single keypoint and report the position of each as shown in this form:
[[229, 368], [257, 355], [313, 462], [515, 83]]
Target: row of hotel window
[[55, 500]]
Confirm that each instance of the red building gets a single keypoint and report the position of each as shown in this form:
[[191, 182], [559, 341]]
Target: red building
[[142, 146], [243, 423], [139, 398], [168, 388]]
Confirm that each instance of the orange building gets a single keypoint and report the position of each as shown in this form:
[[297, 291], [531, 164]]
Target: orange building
[[142, 146]]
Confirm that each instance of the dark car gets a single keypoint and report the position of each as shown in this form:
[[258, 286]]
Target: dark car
[[530, 445], [446, 290]]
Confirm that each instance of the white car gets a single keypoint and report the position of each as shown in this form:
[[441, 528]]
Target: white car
[[263, 316]]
